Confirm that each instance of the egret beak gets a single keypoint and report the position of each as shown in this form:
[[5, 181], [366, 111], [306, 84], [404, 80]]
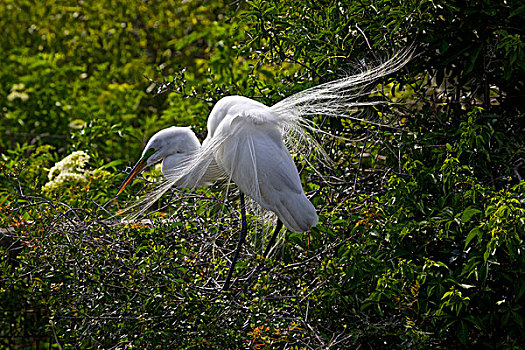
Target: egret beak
[[141, 164]]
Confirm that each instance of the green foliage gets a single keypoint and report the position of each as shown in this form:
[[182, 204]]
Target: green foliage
[[453, 233], [87, 63], [422, 224]]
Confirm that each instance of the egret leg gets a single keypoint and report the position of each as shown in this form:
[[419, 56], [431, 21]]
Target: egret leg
[[242, 238], [272, 239]]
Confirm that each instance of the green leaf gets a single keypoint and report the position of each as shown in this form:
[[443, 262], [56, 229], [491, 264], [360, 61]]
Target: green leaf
[[474, 232], [462, 332], [519, 11], [468, 214], [111, 164], [517, 318]]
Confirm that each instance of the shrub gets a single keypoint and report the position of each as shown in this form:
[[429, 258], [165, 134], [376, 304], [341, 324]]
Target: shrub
[[421, 222]]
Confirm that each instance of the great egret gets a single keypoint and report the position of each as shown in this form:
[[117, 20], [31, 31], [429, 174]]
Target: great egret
[[246, 144]]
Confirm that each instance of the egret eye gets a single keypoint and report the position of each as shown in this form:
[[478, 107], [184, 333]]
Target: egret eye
[[149, 153]]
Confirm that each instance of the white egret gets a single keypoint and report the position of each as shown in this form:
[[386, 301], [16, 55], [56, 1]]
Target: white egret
[[246, 144]]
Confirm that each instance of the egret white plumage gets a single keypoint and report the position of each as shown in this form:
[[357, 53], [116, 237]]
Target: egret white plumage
[[248, 143]]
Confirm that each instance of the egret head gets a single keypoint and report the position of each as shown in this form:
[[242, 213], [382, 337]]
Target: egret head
[[144, 161], [170, 143]]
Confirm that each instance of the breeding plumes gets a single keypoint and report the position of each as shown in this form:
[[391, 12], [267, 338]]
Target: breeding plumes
[[249, 144]]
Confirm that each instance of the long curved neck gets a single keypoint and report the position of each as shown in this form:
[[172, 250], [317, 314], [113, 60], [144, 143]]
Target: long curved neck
[[217, 114], [176, 162], [192, 169], [229, 105]]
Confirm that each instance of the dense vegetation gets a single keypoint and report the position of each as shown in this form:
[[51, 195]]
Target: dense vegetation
[[422, 223]]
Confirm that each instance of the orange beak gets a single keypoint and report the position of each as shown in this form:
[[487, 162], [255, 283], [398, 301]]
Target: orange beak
[[141, 164]]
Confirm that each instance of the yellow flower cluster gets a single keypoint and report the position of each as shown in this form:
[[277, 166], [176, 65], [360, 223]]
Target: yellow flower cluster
[[16, 92], [68, 170]]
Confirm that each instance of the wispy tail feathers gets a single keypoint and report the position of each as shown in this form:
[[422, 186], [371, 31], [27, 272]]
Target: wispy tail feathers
[[333, 99]]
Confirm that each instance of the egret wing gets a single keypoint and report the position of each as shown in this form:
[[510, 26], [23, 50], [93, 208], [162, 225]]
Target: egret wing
[[254, 156]]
